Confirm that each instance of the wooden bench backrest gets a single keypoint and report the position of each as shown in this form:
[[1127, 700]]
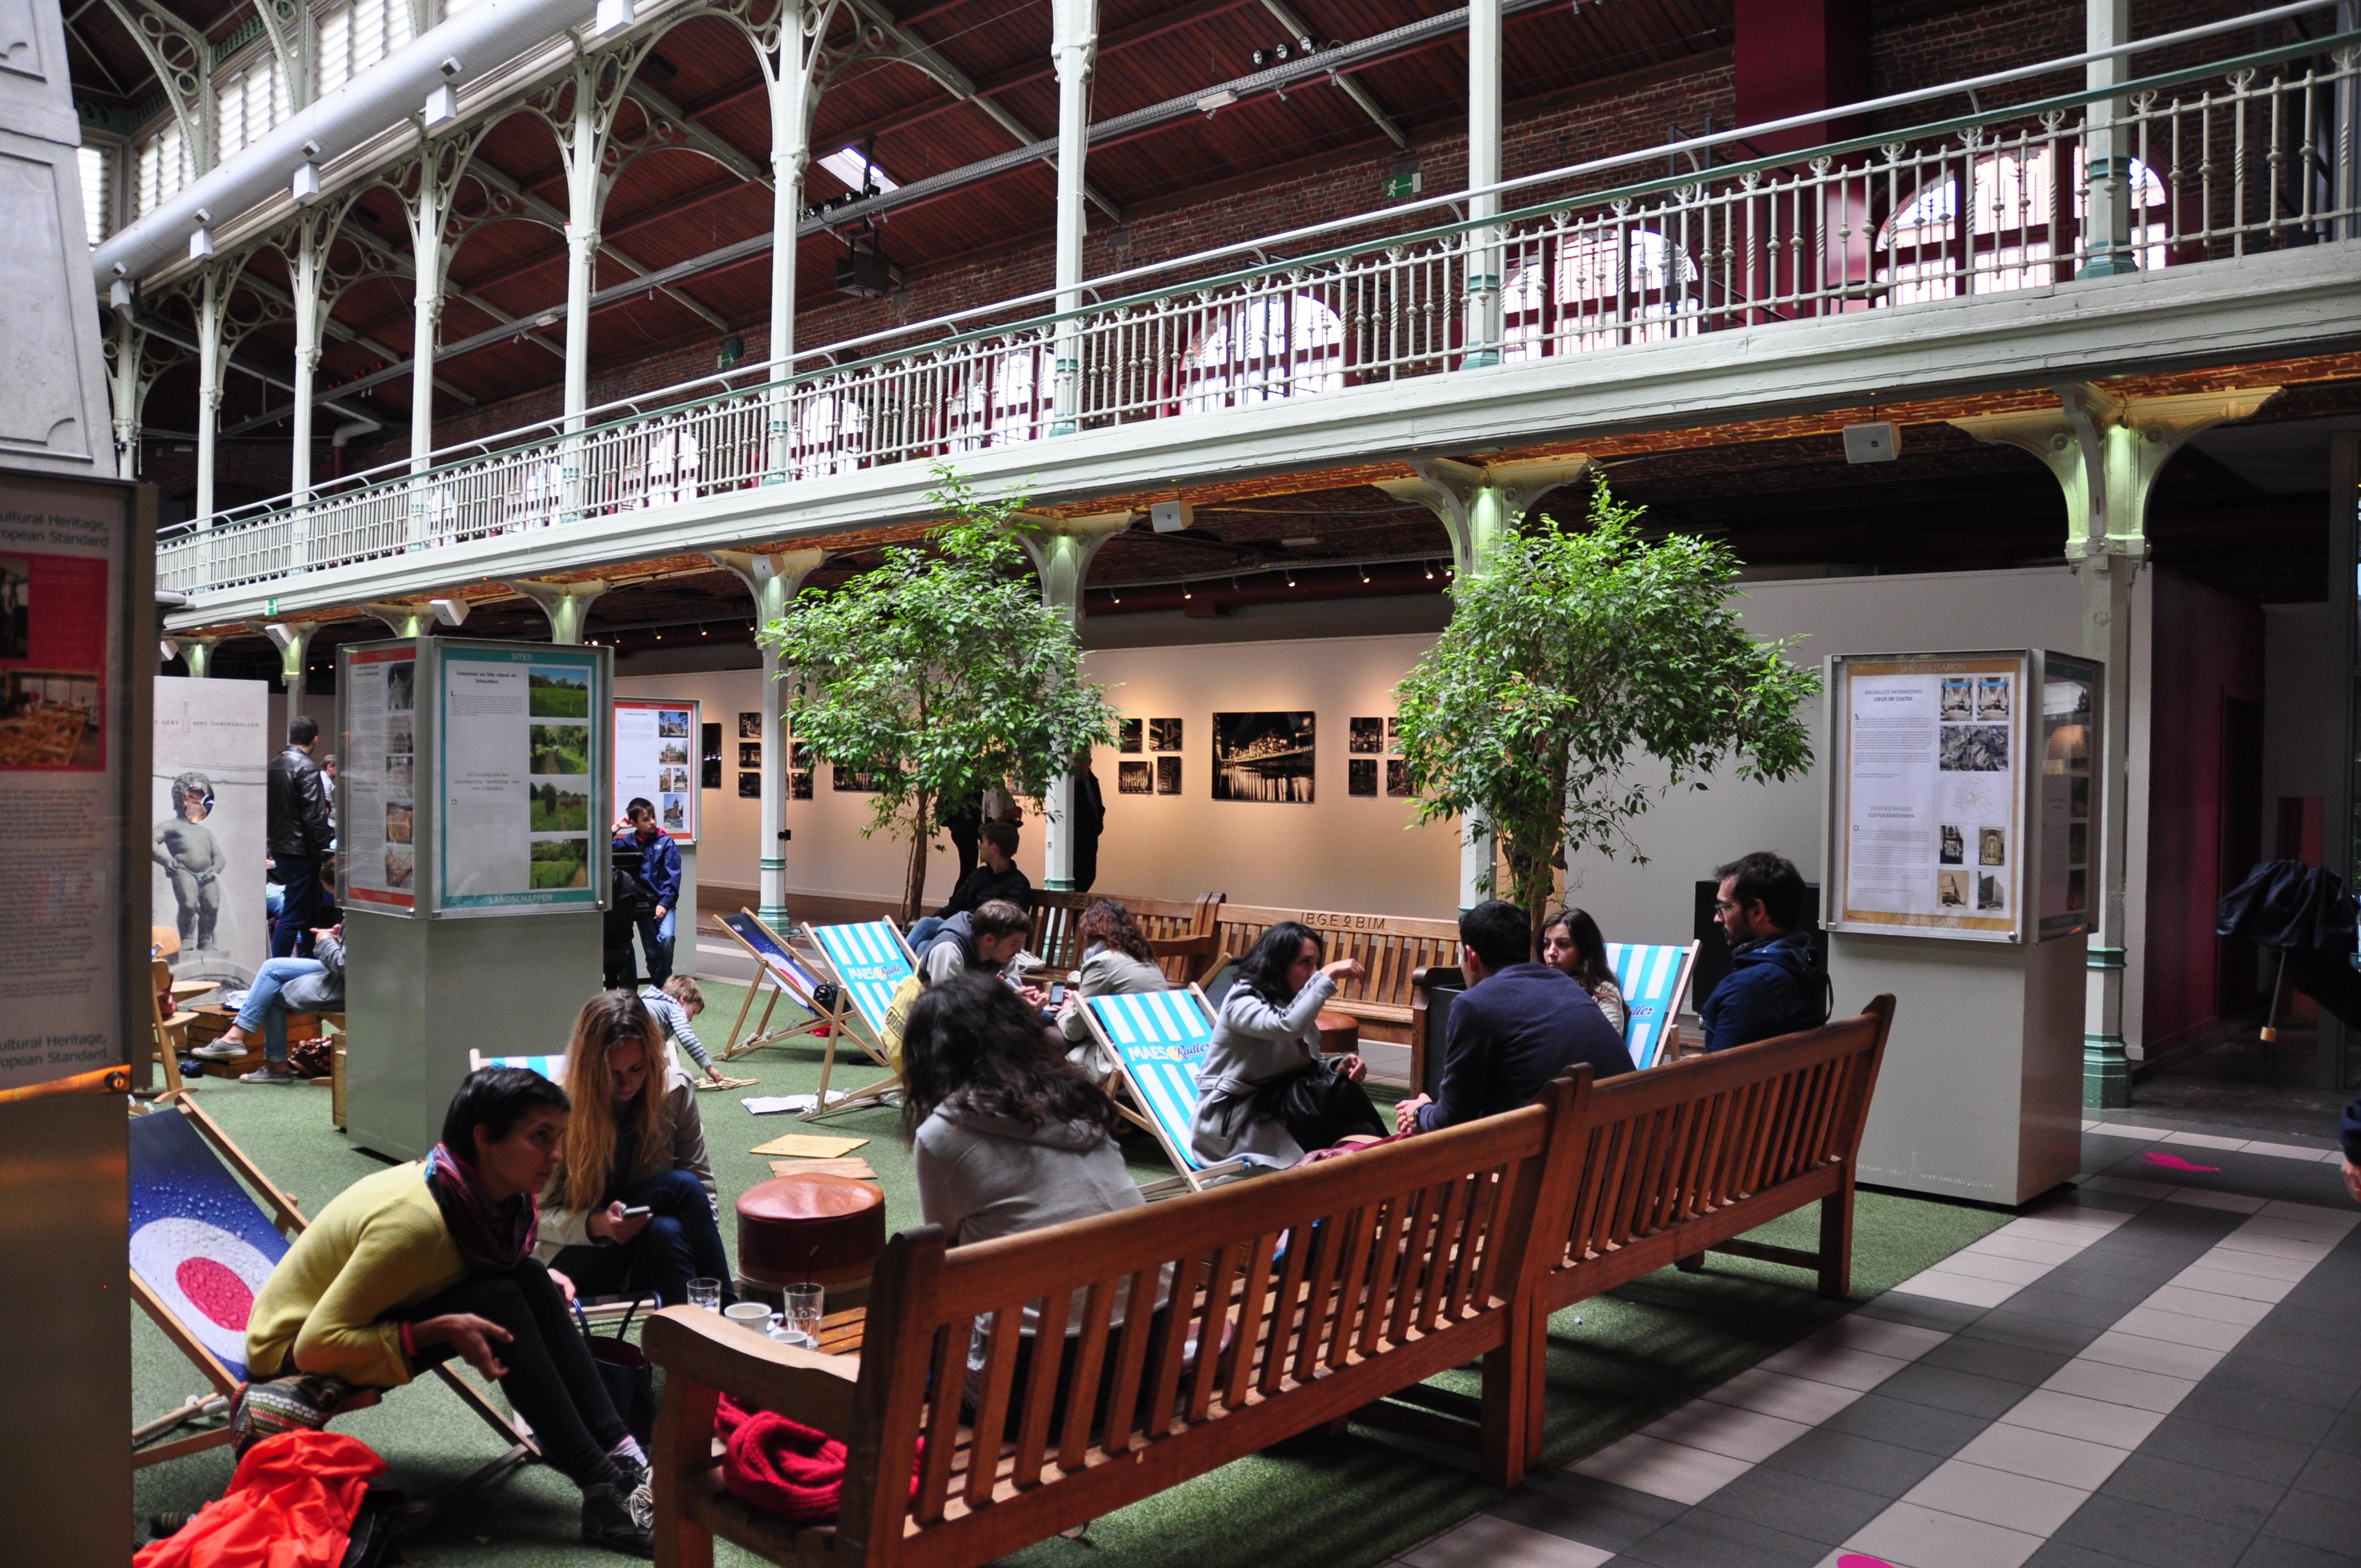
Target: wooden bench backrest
[[1390, 946], [1058, 920], [1700, 1147], [1408, 1255]]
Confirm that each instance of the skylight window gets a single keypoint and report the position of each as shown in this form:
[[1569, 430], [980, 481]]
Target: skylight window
[[857, 172]]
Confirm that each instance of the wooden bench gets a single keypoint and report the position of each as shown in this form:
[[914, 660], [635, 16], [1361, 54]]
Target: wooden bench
[[1684, 1160], [1393, 948], [1058, 920], [1313, 1293]]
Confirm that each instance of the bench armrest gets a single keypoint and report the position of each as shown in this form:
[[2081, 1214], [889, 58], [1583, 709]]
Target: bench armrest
[[817, 1390]]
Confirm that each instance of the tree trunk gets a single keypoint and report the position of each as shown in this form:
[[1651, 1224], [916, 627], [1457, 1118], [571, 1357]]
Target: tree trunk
[[914, 886]]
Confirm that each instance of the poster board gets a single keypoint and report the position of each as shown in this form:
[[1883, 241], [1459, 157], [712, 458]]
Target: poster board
[[1930, 785], [2069, 788], [656, 746], [208, 824], [377, 797], [75, 690], [521, 768]]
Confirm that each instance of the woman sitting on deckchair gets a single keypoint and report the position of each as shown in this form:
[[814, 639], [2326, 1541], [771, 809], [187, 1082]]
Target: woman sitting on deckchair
[[416, 1264], [1116, 961], [1266, 1090]]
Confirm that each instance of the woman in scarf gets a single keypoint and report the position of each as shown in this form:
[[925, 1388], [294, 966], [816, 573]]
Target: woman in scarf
[[631, 1205], [420, 1263]]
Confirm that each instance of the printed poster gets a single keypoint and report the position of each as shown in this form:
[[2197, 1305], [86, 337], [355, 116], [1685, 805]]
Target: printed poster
[[521, 747], [376, 805], [1930, 817], [208, 825], [653, 742]]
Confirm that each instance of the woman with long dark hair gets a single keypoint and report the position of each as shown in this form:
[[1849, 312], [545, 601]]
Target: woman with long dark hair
[[1116, 961], [1266, 1090], [419, 1262], [1006, 1135], [1571, 945], [633, 1206]]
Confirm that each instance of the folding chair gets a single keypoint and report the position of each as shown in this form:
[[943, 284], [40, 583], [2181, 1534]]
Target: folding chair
[[784, 974], [172, 1032], [870, 960], [1158, 1039], [201, 1250], [1654, 979]]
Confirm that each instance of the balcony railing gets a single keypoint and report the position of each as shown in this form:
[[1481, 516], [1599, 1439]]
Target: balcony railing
[[2173, 170]]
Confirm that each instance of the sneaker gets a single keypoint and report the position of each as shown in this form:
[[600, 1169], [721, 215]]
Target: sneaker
[[609, 1520], [266, 1074], [220, 1050]]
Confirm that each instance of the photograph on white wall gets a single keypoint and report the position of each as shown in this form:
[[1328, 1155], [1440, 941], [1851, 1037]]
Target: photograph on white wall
[[1164, 735], [1397, 778], [709, 765], [750, 726], [1361, 775], [1393, 735], [750, 786], [1134, 778], [1168, 775], [1130, 735], [1264, 757], [749, 753], [799, 785], [1365, 737]]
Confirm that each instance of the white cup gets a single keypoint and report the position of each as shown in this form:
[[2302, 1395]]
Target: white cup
[[752, 1315]]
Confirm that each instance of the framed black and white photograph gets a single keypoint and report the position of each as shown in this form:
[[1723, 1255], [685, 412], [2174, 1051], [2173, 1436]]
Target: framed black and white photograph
[[1393, 735], [1135, 778], [1130, 734], [1168, 775], [854, 781], [799, 785], [1361, 775], [749, 753], [750, 726], [1365, 737], [1397, 778], [709, 756], [1164, 735], [750, 786], [1264, 757]]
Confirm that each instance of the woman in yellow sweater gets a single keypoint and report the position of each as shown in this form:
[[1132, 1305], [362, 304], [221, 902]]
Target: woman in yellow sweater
[[423, 1262]]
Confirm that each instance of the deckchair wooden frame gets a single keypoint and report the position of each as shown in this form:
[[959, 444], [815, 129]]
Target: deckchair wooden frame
[[828, 1020], [290, 1222], [1188, 1178], [874, 1093]]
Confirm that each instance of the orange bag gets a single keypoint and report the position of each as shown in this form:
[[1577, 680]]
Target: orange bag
[[291, 1505]]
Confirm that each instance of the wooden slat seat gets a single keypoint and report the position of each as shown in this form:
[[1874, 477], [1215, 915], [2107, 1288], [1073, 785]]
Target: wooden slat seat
[[1058, 920], [1333, 1285], [1393, 948]]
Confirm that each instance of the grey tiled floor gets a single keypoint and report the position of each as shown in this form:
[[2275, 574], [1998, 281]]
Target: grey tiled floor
[[2159, 1369]]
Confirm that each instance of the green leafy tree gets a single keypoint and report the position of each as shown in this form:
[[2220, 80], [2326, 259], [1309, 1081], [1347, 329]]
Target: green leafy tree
[[1572, 655], [943, 671]]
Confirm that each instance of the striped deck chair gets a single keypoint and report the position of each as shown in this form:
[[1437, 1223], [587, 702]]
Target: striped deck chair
[[870, 960], [1158, 1039], [550, 1068], [784, 974], [207, 1227], [1655, 979]]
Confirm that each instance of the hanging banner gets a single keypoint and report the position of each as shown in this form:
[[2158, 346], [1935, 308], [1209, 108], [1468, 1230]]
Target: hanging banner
[[653, 740], [210, 824], [71, 898], [376, 805], [521, 750], [1928, 770]]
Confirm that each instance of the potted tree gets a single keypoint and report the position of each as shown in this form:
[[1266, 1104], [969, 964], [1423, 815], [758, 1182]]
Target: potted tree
[[940, 672], [1571, 655]]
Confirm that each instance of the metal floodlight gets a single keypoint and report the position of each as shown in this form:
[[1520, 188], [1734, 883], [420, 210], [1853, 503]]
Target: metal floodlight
[[613, 17], [201, 244], [305, 184], [1879, 443], [441, 106]]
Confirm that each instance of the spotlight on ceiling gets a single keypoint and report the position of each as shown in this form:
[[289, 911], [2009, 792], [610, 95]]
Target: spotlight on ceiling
[[1878, 443]]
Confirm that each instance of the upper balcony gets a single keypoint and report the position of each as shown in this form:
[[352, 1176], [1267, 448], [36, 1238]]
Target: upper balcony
[[2194, 215]]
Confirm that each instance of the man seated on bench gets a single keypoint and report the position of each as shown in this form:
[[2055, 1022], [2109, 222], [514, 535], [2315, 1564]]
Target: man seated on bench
[[1775, 984], [413, 1264], [281, 986], [995, 878], [1518, 1025], [1006, 1135]]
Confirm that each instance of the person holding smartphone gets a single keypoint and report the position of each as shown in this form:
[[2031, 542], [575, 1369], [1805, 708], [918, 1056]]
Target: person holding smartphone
[[632, 1205]]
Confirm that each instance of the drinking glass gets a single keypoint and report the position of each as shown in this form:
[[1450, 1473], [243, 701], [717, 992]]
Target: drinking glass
[[803, 1312], [705, 1293]]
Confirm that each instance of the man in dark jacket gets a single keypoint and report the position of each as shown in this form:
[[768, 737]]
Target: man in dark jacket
[[649, 852], [1775, 984], [1519, 1024], [995, 875], [299, 834]]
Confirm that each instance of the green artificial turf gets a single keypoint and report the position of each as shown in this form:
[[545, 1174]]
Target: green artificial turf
[[1615, 1363]]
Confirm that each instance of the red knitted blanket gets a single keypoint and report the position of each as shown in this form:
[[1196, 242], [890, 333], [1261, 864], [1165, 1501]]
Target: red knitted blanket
[[783, 1467]]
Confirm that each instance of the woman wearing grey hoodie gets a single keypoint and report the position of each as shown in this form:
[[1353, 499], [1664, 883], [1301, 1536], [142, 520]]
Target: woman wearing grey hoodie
[[1007, 1136], [1266, 1092]]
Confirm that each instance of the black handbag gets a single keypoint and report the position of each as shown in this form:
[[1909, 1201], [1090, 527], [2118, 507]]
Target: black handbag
[[623, 1368]]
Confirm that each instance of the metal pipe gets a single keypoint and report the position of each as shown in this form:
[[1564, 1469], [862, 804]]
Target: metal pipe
[[483, 37]]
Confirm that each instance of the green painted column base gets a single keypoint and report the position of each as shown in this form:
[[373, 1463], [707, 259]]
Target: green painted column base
[[2106, 1073], [1058, 884]]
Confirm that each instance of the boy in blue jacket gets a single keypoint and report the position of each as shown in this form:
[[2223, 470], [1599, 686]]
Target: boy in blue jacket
[[1775, 986]]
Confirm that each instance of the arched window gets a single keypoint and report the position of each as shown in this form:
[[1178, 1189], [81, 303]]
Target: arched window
[[1007, 399], [829, 435], [1262, 349], [1586, 292], [2018, 224]]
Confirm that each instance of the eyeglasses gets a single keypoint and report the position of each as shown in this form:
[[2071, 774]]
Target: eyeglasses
[[1724, 906]]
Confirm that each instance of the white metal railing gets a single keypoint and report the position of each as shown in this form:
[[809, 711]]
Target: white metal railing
[[2196, 165]]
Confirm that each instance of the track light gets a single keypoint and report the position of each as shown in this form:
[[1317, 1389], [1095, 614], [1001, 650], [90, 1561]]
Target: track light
[[1365, 573], [1430, 571]]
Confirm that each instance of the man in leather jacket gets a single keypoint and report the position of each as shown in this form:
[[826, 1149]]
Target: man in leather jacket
[[300, 835]]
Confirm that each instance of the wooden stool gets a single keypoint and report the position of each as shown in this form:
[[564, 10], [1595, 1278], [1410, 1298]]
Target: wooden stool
[[825, 1230], [1340, 1034]]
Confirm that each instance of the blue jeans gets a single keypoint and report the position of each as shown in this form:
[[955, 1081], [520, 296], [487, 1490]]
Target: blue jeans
[[680, 1241], [656, 941], [304, 905], [264, 1007]]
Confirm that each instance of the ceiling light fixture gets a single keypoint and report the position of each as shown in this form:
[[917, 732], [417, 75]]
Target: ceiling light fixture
[[1365, 573], [1430, 571]]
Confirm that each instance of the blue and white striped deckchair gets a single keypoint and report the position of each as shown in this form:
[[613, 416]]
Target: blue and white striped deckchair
[[1158, 1040], [550, 1068], [870, 960], [1654, 979]]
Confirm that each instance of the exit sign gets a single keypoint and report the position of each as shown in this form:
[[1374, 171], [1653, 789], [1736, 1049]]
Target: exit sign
[[1402, 187], [270, 607]]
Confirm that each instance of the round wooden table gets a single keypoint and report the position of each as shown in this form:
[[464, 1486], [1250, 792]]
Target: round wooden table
[[1340, 1033]]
